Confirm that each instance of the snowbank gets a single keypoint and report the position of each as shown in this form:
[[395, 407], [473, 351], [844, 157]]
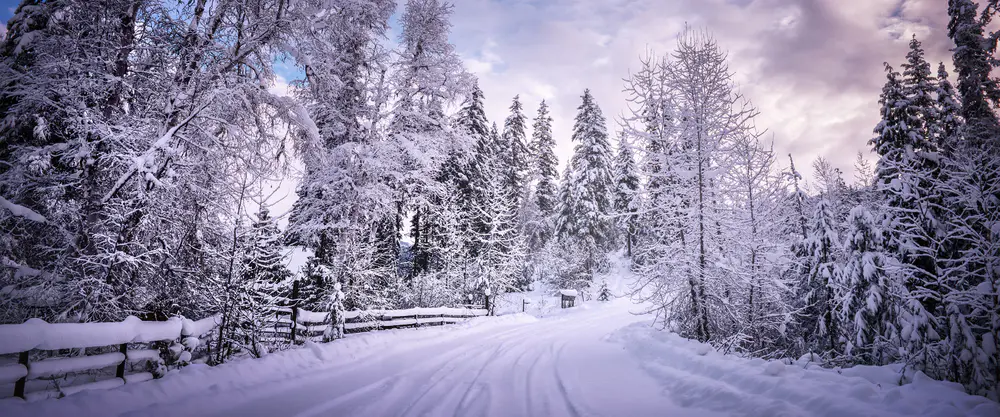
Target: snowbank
[[697, 376]]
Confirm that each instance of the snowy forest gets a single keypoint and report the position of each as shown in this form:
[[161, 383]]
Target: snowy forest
[[138, 136]]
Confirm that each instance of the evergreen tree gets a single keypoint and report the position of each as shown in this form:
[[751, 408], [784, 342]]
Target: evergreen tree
[[976, 88], [587, 189], [514, 149], [545, 161], [820, 323], [918, 86], [263, 260], [626, 192], [868, 295], [543, 183], [949, 113], [604, 294]]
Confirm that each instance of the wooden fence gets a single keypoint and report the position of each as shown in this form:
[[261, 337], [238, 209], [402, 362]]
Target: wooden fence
[[58, 359]]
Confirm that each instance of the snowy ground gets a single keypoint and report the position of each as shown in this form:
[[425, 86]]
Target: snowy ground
[[595, 360]]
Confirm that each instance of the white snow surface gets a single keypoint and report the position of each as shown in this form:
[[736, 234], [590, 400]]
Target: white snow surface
[[568, 293], [37, 334], [598, 359]]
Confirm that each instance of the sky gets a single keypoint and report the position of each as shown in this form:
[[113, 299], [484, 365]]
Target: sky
[[814, 68]]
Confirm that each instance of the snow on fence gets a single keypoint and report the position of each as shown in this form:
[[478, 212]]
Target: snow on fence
[[59, 359], [312, 324]]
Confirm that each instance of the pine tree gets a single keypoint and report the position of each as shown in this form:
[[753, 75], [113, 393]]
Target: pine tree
[[545, 161], [626, 192], [949, 113], [587, 189], [514, 149], [348, 206], [820, 323], [918, 87], [868, 296], [966, 302], [976, 88], [543, 180], [604, 294], [263, 262]]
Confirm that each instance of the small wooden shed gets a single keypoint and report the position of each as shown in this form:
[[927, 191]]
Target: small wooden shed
[[568, 298]]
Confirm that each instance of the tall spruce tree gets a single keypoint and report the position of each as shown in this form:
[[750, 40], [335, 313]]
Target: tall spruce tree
[[514, 148], [545, 162], [821, 325], [587, 189], [868, 295], [626, 193]]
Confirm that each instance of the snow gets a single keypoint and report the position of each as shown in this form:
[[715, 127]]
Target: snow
[[568, 293], [138, 377], [139, 355], [738, 386], [597, 360], [11, 373], [197, 328], [21, 211], [519, 365], [306, 316], [37, 334], [774, 368], [421, 311], [62, 366]]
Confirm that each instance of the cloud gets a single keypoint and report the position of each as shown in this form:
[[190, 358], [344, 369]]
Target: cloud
[[813, 67]]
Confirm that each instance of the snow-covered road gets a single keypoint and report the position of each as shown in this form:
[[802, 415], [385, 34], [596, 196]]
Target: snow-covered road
[[558, 366]]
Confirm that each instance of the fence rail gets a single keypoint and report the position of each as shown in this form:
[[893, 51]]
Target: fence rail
[[75, 356]]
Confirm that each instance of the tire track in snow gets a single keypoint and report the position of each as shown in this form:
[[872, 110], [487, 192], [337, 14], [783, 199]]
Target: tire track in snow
[[557, 353]]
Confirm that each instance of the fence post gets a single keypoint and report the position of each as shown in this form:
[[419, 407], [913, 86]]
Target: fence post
[[295, 309], [19, 385], [120, 372]]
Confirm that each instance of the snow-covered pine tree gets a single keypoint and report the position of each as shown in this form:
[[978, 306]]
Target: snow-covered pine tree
[[263, 282], [335, 327], [500, 261], [905, 177], [968, 351], [949, 113], [514, 152], [604, 294], [583, 220], [545, 177], [820, 324], [868, 296], [976, 88], [626, 204], [466, 170]]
